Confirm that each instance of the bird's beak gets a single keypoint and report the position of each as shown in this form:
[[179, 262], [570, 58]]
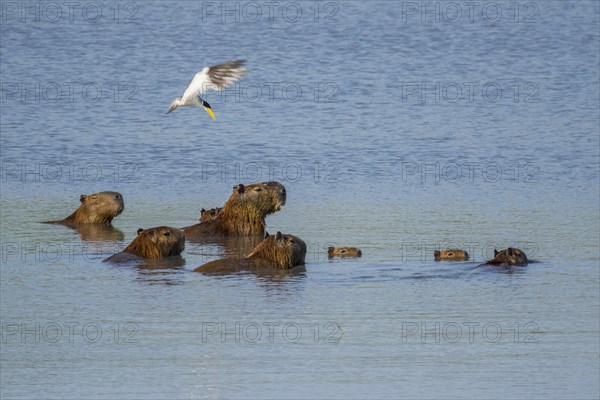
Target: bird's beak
[[171, 108], [210, 112]]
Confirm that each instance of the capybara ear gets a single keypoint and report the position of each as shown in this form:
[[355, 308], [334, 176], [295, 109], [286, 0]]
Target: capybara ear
[[279, 236], [82, 198], [241, 188], [266, 234], [466, 255], [495, 252], [202, 211], [140, 230], [151, 234]]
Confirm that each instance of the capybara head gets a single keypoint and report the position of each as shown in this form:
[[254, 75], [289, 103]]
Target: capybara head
[[451, 255], [157, 243], [244, 212], [510, 256], [98, 208], [207, 215], [282, 251], [261, 198], [344, 252]]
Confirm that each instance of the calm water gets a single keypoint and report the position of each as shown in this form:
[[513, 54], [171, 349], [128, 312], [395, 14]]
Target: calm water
[[399, 128]]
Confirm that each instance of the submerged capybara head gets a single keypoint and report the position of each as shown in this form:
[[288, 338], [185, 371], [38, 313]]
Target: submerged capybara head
[[157, 243], [97, 208], [451, 255], [282, 251], [344, 252], [510, 256], [207, 215]]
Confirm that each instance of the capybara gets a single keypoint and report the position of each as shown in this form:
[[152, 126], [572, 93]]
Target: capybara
[[244, 212], [152, 244], [451, 255], [98, 208], [344, 252], [279, 252], [508, 257], [207, 215]]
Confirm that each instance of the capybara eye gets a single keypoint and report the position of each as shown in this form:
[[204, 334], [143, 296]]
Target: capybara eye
[[167, 233], [343, 251], [258, 190], [450, 254]]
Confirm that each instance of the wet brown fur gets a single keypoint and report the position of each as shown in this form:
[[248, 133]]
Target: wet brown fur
[[451, 255], [244, 212], [207, 215], [344, 252], [510, 256], [152, 244], [98, 208], [279, 252]]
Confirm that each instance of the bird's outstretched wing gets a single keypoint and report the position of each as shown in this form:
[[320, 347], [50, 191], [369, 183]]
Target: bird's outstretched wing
[[217, 77]]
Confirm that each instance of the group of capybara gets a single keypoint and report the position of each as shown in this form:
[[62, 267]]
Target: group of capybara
[[242, 215]]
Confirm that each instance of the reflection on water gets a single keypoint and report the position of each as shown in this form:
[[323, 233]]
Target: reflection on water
[[97, 233], [231, 247], [169, 273], [169, 263]]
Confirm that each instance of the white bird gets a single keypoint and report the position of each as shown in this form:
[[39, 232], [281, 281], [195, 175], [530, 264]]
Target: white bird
[[217, 77]]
